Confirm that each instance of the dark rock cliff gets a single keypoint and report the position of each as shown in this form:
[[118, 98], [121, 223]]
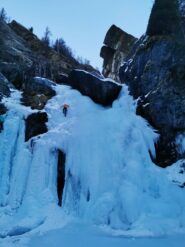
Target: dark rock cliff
[[155, 73]]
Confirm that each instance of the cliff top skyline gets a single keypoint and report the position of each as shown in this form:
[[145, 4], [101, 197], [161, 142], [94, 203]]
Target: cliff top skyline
[[83, 29]]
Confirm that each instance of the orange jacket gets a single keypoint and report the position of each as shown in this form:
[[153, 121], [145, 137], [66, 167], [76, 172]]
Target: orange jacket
[[65, 105]]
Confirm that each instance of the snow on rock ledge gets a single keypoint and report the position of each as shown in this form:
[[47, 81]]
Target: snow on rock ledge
[[99, 90], [37, 91]]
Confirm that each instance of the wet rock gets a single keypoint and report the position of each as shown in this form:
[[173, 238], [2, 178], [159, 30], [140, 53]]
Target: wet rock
[[165, 19], [99, 90]]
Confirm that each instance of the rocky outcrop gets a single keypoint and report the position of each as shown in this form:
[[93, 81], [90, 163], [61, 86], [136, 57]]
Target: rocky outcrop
[[35, 125], [37, 91], [101, 91], [117, 45], [155, 73]]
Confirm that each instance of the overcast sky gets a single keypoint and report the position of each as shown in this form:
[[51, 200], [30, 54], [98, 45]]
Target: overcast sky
[[81, 23]]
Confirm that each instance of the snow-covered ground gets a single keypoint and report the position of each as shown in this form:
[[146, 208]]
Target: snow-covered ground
[[82, 235], [110, 180]]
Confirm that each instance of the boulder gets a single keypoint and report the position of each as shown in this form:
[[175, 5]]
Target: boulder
[[101, 91], [35, 125], [37, 91]]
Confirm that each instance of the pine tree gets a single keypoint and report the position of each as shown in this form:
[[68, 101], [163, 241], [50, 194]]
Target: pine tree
[[46, 38], [164, 18], [61, 47], [3, 15]]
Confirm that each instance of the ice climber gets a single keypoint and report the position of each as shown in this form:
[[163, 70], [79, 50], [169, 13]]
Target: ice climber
[[65, 109]]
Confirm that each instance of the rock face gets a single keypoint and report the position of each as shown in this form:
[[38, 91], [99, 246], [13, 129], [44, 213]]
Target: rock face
[[23, 56], [155, 73], [165, 19], [4, 87], [35, 125], [182, 13], [37, 91], [117, 45], [101, 91], [15, 57]]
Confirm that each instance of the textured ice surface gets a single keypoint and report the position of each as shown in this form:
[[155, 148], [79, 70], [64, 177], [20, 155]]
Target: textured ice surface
[[110, 179]]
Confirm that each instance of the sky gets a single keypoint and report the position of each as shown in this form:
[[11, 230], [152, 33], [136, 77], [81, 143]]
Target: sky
[[81, 23]]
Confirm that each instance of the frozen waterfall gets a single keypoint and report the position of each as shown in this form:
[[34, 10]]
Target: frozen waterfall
[[109, 176]]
